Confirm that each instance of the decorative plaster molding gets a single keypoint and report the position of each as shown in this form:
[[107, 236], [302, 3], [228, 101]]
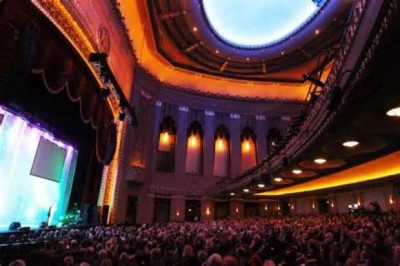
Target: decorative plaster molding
[[167, 86]]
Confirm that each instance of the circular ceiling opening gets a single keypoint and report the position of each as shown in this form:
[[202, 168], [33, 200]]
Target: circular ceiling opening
[[258, 23]]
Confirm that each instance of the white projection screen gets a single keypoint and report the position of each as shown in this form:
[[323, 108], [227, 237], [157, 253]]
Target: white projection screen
[[49, 160]]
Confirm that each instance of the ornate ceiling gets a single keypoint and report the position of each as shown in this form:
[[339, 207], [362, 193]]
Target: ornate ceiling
[[177, 45]]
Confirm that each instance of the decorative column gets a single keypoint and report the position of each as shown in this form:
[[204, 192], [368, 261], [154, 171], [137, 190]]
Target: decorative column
[[235, 146], [181, 140], [208, 144], [154, 139], [261, 135], [177, 210], [207, 209], [236, 209]]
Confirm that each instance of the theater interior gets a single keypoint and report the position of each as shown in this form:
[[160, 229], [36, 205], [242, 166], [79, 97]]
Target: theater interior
[[181, 112]]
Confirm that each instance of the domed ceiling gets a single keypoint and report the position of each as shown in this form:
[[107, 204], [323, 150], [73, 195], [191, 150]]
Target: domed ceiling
[[247, 49], [257, 23]]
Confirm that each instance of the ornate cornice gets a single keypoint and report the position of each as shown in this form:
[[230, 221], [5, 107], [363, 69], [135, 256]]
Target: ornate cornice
[[123, 29], [148, 75], [60, 16], [79, 19]]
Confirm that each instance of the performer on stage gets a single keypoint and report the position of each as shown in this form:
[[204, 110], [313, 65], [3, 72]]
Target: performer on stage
[[50, 213]]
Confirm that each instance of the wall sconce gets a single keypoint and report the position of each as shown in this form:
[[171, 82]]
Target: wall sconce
[[358, 202], [165, 137], [332, 204], [313, 205], [208, 211], [237, 210], [279, 208], [246, 146], [193, 141], [391, 200], [266, 207], [177, 213], [220, 144]]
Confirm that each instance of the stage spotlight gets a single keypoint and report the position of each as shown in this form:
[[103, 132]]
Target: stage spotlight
[[313, 80], [121, 116], [97, 57], [105, 92]]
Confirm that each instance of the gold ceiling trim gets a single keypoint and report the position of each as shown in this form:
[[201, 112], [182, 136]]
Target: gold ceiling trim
[[137, 21], [373, 170]]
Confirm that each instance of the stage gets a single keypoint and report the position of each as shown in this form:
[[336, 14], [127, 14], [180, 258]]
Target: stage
[[36, 172]]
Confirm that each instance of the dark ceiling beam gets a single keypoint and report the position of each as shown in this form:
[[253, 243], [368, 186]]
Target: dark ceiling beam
[[171, 15], [305, 52]]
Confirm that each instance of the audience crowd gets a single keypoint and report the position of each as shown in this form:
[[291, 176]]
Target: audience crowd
[[348, 239]]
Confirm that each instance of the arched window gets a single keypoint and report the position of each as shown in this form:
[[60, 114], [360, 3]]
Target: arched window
[[248, 149], [194, 148], [166, 145], [221, 155]]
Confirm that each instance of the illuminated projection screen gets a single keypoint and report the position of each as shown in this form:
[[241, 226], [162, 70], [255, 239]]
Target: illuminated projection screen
[[49, 160]]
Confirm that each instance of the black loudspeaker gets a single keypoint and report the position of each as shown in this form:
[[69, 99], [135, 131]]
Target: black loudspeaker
[[93, 218], [111, 145], [104, 214], [14, 226]]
